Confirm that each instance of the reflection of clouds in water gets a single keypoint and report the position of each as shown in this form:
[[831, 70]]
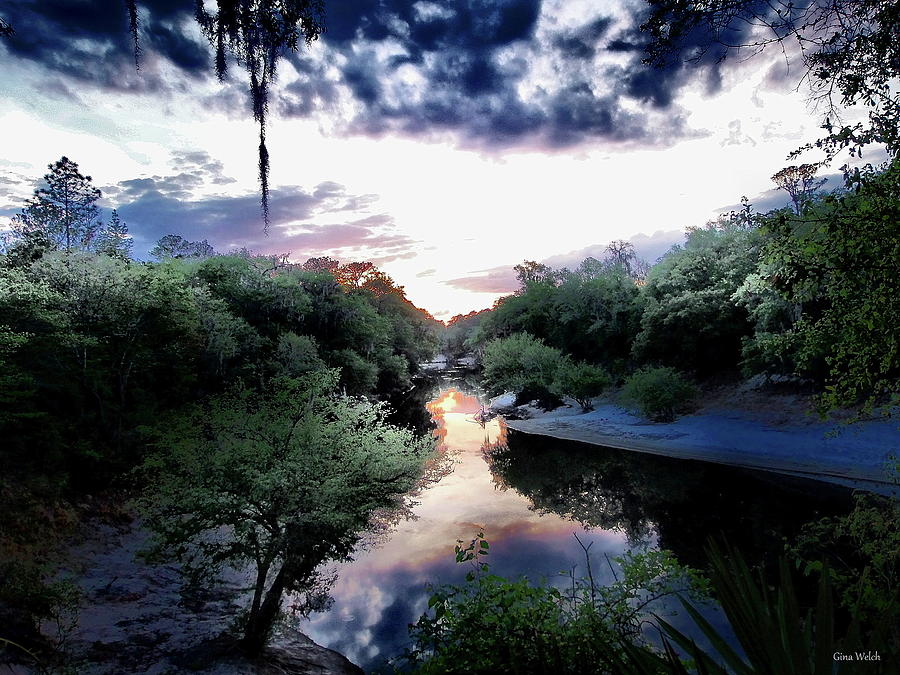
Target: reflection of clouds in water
[[380, 602], [386, 587]]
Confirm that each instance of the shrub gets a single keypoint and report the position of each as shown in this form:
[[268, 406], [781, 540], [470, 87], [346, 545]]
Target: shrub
[[521, 363], [491, 624], [581, 381], [658, 392]]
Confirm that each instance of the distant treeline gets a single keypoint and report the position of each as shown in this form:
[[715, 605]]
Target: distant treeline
[[811, 291]]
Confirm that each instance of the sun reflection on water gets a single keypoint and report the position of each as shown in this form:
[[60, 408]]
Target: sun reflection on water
[[386, 587]]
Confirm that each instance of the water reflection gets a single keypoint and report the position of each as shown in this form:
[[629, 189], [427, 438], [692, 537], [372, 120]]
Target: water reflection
[[529, 494], [682, 502], [385, 588]]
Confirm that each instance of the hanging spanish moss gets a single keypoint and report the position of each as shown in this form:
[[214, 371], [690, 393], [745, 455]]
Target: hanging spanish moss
[[256, 33], [131, 5]]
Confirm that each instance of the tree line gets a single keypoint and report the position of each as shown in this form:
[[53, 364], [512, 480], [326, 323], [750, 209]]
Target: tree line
[[808, 291], [238, 391]]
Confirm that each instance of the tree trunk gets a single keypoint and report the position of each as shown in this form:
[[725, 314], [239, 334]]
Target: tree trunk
[[260, 623]]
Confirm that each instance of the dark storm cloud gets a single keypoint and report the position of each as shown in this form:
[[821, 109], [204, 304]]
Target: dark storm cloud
[[582, 42], [89, 42], [471, 62], [463, 67], [159, 205]]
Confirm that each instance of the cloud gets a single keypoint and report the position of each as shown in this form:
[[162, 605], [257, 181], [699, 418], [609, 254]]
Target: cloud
[[89, 42], [325, 220], [500, 74], [494, 280], [490, 75]]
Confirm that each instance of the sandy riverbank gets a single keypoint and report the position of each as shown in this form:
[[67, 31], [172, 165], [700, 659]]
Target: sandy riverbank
[[759, 437]]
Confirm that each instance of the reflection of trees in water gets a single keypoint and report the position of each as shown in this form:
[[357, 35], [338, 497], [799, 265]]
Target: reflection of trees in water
[[409, 408], [685, 502]]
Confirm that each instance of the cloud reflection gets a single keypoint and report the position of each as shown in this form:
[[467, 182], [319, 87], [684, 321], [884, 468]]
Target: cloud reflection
[[387, 587]]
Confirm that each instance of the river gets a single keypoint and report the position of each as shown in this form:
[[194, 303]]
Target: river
[[530, 496]]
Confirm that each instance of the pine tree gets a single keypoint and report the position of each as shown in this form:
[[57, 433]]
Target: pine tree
[[64, 213], [113, 239]]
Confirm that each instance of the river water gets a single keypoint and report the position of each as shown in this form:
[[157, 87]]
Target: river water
[[530, 496]]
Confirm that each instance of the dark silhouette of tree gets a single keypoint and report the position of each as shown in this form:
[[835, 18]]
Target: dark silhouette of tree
[[321, 264], [849, 50], [799, 182], [64, 213], [622, 253], [175, 246], [354, 274], [531, 272]]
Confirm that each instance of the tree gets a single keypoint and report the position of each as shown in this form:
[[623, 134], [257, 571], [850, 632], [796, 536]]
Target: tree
[[531, 272], [524, 365], [622, 253], [114, 240], [282, 481], [176, 246], [799, 182], [691, 317], [848, 48], [321, 264], [581, 381], [838, 263], [354, 274], [65, 212]]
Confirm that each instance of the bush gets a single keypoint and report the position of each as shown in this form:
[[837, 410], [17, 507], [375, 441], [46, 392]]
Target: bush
[[521, 363], [581, 381], [491, 624], [658, 393]]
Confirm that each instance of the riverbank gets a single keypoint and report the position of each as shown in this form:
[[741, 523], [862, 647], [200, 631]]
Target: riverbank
[[758, 430], [138, 616]]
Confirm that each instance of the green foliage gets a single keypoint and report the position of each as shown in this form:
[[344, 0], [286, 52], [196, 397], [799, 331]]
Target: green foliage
[[862, 550], [581, 381], [592, 313], [175, 246], [838, 265], [30, 601], [458, 336], [774, 632], [114, 240], [492, 624], [357, 374], [659, 393], [691, 319], [64, 213], [522, 364], [94, 347], [283, 480]]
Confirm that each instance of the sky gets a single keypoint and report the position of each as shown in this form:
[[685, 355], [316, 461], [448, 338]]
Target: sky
[[444, 141]]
